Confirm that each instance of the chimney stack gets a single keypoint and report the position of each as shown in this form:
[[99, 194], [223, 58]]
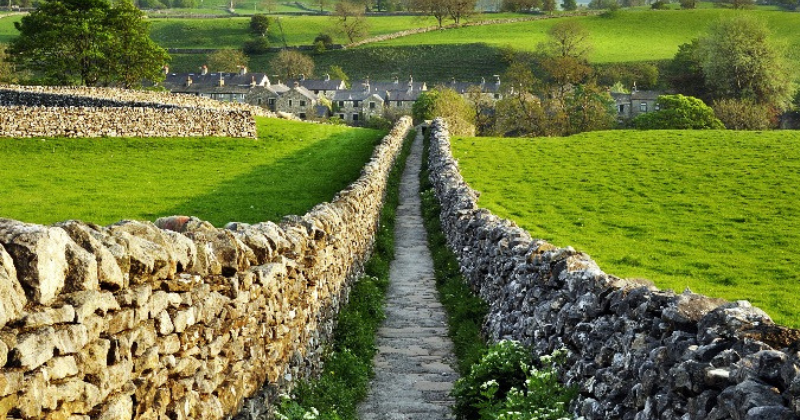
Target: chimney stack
[[204, 70], [252, 81], [327, 77], [242, 70], [166, 70], [221, 80], [188, 81]]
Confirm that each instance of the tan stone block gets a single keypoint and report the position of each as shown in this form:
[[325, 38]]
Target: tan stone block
[[117, 408], [170, 344], [7, 403], [88, 303], [34, 348], [61, 367], [164, 324], [71, 338], [121, 321], [49, 316]]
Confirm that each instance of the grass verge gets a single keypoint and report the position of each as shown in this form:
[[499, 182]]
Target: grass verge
[[290, 168], [465, 311], [344, 381]]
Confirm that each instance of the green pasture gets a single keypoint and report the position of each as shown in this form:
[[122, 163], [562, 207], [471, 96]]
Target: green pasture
[[298, 30], [714, 211], [7, 29], [625, 37], [290, 168]]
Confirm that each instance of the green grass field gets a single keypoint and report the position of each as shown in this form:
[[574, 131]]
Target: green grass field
[[233, 32], [628, 36], [715, 211], [290, 168], [7, 30]]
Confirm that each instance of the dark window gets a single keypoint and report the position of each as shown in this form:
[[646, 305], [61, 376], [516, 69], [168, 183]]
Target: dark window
[[316, 91], [497, 96], [291, 102], [372, 105], [302, 115], [643, 107], [622, 109], [302, 103], [341, 117], [355, 117], [341, 104], [356, 104], [259, 101], [399, 104]]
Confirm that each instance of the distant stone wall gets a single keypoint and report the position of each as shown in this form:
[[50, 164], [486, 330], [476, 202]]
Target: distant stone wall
[[636, 352], [34, 111], [22, 122], [177, 319]]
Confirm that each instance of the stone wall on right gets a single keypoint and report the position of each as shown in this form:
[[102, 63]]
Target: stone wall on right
[[636, 352]]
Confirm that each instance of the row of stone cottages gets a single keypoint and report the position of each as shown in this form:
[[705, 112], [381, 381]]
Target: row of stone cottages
[[324, 98]]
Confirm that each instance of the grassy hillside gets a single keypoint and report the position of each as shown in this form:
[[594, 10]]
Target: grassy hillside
[[628, 36], [713, 211], [289, 169], [425, 63]]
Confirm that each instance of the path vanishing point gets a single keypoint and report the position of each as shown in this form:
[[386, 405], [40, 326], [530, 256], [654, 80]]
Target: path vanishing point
[[413, 373]]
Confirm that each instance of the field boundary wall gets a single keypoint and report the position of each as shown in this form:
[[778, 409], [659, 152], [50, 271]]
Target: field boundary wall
[[636, 352], [178, 319], [33, 111]]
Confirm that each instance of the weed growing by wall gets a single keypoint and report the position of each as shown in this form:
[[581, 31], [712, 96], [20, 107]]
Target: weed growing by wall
[[344, 381]]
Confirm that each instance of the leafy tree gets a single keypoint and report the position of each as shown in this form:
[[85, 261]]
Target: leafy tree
[[438, 9], [227, 60], [569, 38], [569, 5], [685, 72], [7, 71], [448, 104], [268, 5], [659, 5], [256, 46], [643, 75], [688, 4], [350, 20], [291, 64], [321, 4], [740, 61], [184, 4], [679, 112], [325, 39], [589, 108], [520, 5], [88, 42], [611, 5], [259, 25], [459, 9], [742, 114], [549, 6], [337, 73]]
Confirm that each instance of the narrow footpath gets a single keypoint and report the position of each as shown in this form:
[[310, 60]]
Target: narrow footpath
[[413, 374]]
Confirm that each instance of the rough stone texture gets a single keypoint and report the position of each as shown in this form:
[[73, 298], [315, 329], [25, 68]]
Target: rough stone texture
[[413, 373], [637, 353], [135, 321], [36, 111]]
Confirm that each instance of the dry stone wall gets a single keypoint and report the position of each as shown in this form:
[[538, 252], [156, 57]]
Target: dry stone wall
[[34, 111], [636, 352], [177, 319]]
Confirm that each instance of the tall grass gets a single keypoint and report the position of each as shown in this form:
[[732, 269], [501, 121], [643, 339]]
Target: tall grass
[[715, 211]]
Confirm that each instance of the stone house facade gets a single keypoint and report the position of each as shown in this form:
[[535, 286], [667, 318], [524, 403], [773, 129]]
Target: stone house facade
[[298, 101], [630, 105]]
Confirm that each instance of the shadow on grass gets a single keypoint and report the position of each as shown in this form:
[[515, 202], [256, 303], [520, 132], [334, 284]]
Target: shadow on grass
[[291, 185]]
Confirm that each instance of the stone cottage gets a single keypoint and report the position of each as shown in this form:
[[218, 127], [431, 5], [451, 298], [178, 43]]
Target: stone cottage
[[630, 105], [298, 101]]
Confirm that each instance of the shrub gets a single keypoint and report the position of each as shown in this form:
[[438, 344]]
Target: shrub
[[325, 39], [679, 112], [256, 46], [659, 5], [506, 384], [448, 104], [743, 114]]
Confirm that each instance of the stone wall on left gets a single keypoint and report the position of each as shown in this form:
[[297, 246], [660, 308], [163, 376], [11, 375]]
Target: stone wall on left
[[177, 319], [35, 111]]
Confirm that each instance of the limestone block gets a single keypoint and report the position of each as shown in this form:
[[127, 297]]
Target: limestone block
[[148, 260], [3, 353], [122, 320], [33, 397], [135, 296], [39, 255], [183, 319], [49, 316], [82, 271], [71, 339], [117, 408], [170, 344], [88, 303], [12, 297], [7, 403], [184, 250], [164, 324], [34, 348], [11, 381], [61, 367], [109, 273], [147, 361], [220, 252], [93, 358]]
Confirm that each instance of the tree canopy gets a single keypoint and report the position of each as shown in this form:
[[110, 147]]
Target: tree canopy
[[679, 112], [448, 104], [87, 42], [740, 61], [291, 64]]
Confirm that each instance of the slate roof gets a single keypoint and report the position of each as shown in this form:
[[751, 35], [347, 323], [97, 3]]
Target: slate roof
[[317, 84]]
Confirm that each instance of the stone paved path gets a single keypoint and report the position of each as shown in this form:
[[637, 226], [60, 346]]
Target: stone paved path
[[413, 376]]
